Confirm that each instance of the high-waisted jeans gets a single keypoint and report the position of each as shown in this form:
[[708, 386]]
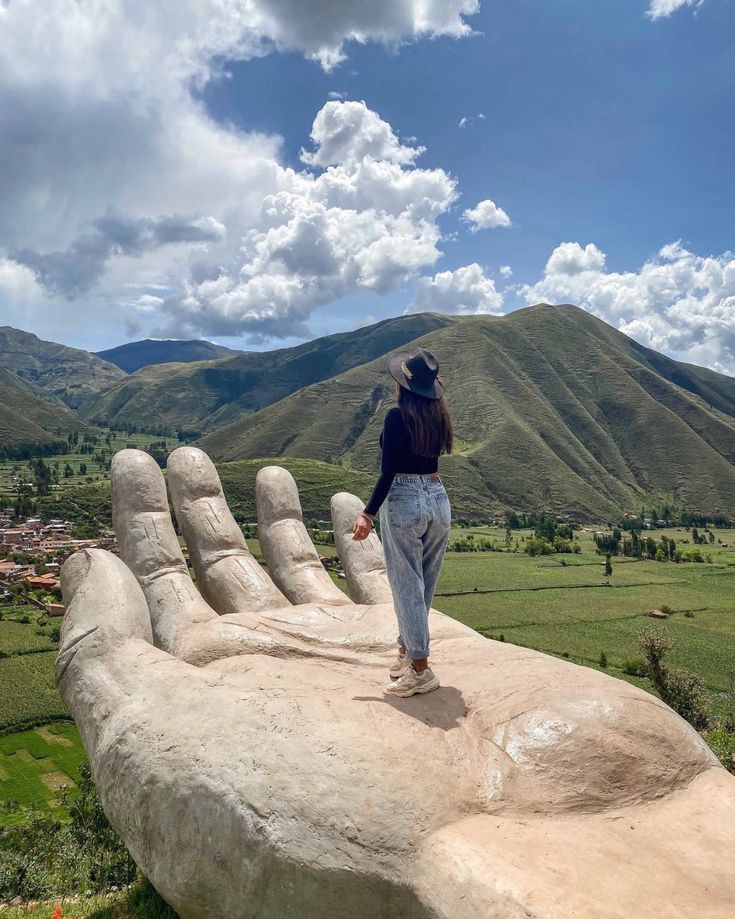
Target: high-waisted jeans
[[414, 527]]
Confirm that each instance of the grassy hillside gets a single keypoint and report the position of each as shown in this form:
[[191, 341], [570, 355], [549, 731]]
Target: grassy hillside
[[552, 408], [136, 354], [205, 395], [29, 420], [65, 374]]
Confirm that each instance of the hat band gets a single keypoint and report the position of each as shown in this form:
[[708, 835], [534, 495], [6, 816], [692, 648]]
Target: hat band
[[409, 375]]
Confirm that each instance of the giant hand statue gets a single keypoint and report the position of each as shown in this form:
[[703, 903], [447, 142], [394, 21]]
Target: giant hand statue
[[244, 749]]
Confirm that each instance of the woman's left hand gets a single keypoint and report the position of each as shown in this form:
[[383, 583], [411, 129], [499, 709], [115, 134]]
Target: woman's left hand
[[361, 529]]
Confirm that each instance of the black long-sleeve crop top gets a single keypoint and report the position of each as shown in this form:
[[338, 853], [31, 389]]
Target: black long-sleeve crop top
[[397, 457]]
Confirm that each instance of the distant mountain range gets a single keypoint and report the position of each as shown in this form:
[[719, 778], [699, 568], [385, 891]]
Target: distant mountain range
[[136, 354], [552, 407], [204, 396]]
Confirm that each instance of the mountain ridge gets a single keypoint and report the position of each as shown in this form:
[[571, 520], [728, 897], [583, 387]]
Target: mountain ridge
[[550, 409], [28, 421], [147, 352], [68, 375], [205, 395]]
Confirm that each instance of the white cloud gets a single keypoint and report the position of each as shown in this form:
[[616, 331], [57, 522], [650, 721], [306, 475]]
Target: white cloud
[[662, 9], [362, 224], [486, 215], [466, 290], [101, 113], [678, 302], [569, 259], [468, 121], [506, 271], [348, 132]]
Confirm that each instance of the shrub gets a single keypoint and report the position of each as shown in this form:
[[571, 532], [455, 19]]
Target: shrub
[[603, 660], [634, 667], [694, 555], [536, 546], [682, 691]]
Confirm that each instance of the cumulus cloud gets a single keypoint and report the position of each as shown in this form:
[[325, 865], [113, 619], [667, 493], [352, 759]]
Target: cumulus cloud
[[361, 224], [348, 132], [466, 290], [486, 215], [662, 9], [678, 302], [570, 259], [506, 271], [101, 111]]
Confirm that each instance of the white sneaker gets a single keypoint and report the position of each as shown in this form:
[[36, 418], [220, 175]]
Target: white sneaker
[[412, 683], [398, 668]]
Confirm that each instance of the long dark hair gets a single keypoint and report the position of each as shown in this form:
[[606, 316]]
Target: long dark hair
[[428, 423]]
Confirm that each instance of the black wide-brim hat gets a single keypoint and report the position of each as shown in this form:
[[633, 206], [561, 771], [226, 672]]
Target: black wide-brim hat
[[417, 371]]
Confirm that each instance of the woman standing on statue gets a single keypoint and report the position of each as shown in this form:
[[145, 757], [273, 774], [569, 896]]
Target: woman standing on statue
[[415, 515]]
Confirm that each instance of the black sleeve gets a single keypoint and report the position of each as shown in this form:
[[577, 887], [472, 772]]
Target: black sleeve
[[393, 432]]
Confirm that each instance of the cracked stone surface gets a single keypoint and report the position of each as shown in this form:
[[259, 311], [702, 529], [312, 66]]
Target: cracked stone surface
[[245, 751]]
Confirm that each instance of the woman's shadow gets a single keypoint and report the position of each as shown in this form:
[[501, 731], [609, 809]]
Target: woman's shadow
[[444, 708]]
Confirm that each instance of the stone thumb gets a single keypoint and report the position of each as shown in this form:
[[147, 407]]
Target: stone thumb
[[105, 628], [100, 591]]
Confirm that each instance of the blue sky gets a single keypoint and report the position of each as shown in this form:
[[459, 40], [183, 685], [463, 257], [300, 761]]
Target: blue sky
[[599, 124], [606, 136]]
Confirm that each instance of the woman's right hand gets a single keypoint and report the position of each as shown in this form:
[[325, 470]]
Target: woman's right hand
[[361, 529]]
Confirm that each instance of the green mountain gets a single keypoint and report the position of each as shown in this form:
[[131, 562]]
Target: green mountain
[[64, 374], [552, 408], [205, 395], [136, 354], [27, 420]]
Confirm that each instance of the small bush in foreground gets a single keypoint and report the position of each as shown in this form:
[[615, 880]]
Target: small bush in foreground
[[682, 691], [46, 857]]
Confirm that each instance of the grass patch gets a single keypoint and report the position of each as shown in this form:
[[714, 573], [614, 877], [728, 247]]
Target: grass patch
[[28, 694], [139, 901], [34, 766]]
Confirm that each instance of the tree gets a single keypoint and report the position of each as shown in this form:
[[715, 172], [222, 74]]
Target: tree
[[68, 471], [42, 475], [608, 567]]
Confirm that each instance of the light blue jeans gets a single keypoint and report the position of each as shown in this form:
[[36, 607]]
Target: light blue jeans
[[414, 528]]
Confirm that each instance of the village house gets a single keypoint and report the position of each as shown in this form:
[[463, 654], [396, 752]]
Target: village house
[[45, 582], [54, 609]]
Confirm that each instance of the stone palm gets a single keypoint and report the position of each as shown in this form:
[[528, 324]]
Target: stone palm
[[244, 750]]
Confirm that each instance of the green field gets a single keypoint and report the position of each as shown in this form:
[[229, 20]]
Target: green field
[[10, 469], [34, 766], [561, 604]]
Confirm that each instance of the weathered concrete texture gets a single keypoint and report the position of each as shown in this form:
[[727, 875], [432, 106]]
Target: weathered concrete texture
[[246, 753]]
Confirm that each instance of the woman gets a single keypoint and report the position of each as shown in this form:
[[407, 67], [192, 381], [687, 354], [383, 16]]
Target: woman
[[415, 518]]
